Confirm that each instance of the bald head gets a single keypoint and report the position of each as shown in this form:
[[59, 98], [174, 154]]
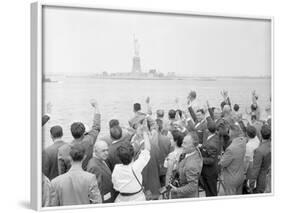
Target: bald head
[[101, 150]]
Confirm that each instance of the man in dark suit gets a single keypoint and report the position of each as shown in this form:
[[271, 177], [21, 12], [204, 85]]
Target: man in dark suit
[[164, 144], [98, 167], [126, 133], [50, 154], [116, 134], [210, 151], [262, 161], [86, 139]]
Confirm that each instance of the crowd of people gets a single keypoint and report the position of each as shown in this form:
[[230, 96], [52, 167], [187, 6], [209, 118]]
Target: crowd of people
[[185, 153]]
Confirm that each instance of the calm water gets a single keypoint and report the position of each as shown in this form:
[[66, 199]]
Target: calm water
[[71, 98]]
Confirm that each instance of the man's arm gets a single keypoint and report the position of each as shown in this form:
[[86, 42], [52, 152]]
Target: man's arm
[[192, 114], [45, 164], [211, 112], [192, 175], [211, 156], [54, 195], [149, 108], [94, 192], [258, 158], [92, 169], [96, 127], [226, 158], [63, 159]]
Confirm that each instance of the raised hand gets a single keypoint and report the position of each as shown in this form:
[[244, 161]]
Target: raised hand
[[49, 108], [208, 105], [188, 100], [224, 94], [147, 100], [94, 103], [177, 100]]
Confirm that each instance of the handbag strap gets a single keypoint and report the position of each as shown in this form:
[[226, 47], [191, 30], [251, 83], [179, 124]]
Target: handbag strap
[[136, 177]]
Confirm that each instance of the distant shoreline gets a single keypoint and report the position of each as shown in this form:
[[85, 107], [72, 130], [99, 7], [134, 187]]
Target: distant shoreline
[[163, 78]]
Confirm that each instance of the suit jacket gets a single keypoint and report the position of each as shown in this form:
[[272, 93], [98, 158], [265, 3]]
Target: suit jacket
[[151, 171], [47, 191], [199, 126], [75, 187], [261, 165], [126, 135], [189, 170], [232, 162], [210, 151], [50, 160], [165, 148], [101, 170], [113, 159], [87, 141]]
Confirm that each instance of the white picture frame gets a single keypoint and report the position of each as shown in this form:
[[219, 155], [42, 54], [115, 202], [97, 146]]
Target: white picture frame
[[36, 95]]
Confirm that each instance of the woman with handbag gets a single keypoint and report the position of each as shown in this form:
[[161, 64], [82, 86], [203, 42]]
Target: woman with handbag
[[127, 177]]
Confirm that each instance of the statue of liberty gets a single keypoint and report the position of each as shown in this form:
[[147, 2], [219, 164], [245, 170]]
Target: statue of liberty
[[136, 68]]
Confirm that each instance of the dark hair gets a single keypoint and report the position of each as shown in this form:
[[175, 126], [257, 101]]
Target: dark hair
[[172, 114], [265, 132], [125, 153], [160, 124], [180, 112], [178, 137], [192, 94], [160, 113], [211, 125], [236, 107], [77, 129], [253, 117], [77, 152], [116, 132], [194, 137], [254, 107], [113, 122], [56, 132], [251, 131], [137, 107], [201, 110]]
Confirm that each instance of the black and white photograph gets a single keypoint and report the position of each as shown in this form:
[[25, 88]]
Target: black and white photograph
[[144, 106]]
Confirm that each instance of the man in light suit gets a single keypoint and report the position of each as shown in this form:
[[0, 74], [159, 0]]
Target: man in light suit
[[98, 166], [50, 154], [75, 187], [86, 139], [189, 168], [232, 162]]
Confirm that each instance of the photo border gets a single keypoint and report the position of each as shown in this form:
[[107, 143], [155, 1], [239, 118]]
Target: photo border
[[36, 98]]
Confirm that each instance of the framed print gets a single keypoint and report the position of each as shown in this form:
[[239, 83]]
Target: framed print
[[134, 106]]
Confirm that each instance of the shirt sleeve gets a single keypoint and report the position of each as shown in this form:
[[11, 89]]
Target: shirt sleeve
[[94, 192], [142, 160]]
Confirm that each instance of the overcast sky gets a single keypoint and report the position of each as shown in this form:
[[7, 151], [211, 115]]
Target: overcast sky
[[79, 41]]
